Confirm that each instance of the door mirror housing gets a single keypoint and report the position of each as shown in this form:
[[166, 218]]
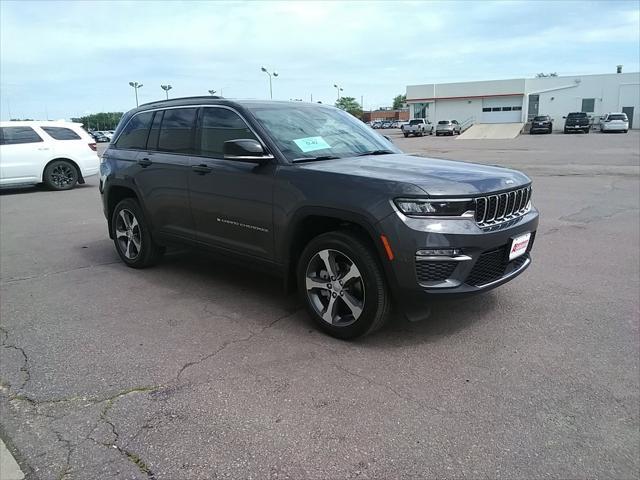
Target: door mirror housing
[[245, 150]]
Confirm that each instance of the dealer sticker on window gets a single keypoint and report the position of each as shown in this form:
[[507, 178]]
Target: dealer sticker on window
[[519, 245], [309, 144]]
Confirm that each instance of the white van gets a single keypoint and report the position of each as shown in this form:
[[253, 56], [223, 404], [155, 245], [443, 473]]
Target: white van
[[58, 154]]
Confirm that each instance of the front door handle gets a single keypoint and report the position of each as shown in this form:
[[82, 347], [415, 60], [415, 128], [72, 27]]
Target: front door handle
[[144, 162], [201, 169]]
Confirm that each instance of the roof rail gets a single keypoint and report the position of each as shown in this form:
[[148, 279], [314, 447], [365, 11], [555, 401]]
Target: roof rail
[[209, 97]]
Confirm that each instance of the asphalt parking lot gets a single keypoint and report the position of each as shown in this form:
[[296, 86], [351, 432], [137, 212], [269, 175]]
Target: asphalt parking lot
[[198, 369]]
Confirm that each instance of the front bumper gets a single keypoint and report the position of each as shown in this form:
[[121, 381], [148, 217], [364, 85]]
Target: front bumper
[[482, 248]]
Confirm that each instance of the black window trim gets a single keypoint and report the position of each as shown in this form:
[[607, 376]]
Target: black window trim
[[197, 128]]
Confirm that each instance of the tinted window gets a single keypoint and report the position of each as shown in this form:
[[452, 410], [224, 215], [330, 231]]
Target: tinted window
[[59, 133], [218, 126], [176, 130], [134, 135], [617, 117], [540, 119], [443, 122], [416, 122], [576, 115], [16, 135]]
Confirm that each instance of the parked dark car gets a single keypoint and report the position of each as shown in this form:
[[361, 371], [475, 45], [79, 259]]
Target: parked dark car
[[541, 124], [577, 122], [310, 193]]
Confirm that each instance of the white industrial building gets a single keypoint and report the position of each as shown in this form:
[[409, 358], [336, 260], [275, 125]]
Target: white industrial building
[[519, 100]]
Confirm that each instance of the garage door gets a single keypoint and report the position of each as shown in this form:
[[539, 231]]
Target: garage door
[[502, 110]]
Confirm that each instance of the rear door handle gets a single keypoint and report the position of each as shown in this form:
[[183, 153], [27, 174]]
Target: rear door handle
[[144, 162], [201, 169]]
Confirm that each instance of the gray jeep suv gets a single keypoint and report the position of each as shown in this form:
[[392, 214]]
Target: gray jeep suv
[[313, 194]]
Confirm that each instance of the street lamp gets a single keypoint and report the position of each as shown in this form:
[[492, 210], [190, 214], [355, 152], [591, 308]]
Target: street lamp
[[166, 89], [136, 86], [275, 74], [339, 90]]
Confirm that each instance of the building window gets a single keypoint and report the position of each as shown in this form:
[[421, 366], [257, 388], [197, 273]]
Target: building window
[[518, 108], [486, 109], [506, 109], [420, 110], [588, 105], [496, 109]]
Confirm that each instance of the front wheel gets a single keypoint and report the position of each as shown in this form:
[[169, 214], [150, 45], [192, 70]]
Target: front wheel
[[406, 135], [132, 237], [60, 175], [342, 285]]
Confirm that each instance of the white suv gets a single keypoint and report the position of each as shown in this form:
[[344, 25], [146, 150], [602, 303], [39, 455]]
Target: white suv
[[614, 122], [59, 154]]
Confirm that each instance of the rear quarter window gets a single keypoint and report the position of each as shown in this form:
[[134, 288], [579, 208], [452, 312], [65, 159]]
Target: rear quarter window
[[61, 133], [18, 135], [135, 133]]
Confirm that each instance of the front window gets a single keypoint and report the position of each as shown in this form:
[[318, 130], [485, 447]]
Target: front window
[[302, 132]]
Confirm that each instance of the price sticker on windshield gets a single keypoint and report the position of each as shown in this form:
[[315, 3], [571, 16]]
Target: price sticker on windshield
[[310, 144]]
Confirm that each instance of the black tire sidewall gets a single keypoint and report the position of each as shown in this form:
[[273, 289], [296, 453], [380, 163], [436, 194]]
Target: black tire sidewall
[[149, 250], [47, 175], [376, 292]]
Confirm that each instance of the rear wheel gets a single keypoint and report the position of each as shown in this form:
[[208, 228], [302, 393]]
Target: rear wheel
[[60, 175], [406, 135], [343, 285], [132, 237]]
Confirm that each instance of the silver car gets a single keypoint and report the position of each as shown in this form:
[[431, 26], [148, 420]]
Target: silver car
[[448, 127], [614, 122]]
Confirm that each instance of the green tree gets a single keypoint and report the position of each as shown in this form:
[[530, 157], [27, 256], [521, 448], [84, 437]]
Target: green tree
[[349, 104], [398, 101], [99, 121]]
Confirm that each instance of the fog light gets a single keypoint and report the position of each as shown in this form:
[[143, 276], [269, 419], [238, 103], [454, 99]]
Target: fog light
[[439, 252]]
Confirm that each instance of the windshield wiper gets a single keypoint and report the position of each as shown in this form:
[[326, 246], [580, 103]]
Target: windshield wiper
[[375, 152], [313, 159]]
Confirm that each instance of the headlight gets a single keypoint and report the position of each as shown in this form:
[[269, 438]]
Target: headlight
[[432, 207]]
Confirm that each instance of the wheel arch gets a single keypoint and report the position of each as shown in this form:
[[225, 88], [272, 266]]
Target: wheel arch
[[66, 159], [311, 222], [115, 194]]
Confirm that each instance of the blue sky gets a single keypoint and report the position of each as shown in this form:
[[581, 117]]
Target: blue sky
[[64, 59]]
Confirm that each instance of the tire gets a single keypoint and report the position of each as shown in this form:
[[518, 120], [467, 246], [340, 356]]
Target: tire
[[625, 131], [586, 131], [60, 175], [566, 131], [127, 225], [406, 135], [367, 293], [437, 134]]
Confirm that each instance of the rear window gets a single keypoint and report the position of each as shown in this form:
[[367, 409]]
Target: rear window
[[577, 115], [134, 135], [617, 117], [415, 122], [444, 122], [61, 133], [540, 119], [17, 135], [176, 130]]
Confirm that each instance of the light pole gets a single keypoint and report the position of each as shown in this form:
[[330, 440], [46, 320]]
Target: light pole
[[166, 89], [275, 74], [136, 86], [339, 90]]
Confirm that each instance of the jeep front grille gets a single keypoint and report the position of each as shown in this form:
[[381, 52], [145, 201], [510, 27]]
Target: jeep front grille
[[493, 209]]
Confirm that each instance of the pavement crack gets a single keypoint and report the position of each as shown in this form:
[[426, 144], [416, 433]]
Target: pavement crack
[[228, 343], [57, 272], [25, 365], [373, 382]]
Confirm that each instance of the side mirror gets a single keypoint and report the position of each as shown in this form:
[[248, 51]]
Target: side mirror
[[245, 150]]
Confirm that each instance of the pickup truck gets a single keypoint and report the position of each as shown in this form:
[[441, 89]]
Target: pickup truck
[[577, 121], [418, 127]]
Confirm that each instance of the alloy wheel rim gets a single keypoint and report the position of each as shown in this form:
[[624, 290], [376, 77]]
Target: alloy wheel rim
[[128, 234], [335, 287], [62, 175]]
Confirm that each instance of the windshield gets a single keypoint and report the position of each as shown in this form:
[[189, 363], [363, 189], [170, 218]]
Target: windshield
[[312, 131], [576, 115]]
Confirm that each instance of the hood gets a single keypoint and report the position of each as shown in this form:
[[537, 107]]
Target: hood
[[435, 176]]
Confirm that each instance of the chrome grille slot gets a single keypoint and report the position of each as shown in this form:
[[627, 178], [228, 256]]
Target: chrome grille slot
[[495, 209]]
